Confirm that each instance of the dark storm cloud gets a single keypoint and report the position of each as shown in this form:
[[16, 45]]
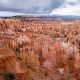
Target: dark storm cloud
[[30, 6]]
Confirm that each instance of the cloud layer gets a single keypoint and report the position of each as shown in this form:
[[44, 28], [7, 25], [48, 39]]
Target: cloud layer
[[29, 6], [58, 7], [70, 7], [6, 13]]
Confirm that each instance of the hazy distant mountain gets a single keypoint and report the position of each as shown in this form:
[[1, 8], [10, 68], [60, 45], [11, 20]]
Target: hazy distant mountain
[[65, 17], [4, 14]]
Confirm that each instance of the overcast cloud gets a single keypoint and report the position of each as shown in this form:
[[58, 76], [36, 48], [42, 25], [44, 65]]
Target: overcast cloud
[[29, 6], [70, 7], [60, 7]]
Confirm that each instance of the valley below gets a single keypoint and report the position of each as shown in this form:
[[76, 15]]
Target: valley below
[[39, 49]]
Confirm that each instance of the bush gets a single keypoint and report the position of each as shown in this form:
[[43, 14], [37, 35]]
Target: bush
[[69, 77], [9, 76], [17, 49]]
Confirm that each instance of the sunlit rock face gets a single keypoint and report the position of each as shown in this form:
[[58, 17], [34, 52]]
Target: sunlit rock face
[[61, 57], [22, 39], [36, 49]]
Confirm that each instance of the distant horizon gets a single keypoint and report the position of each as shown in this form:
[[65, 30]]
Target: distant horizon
[[10, 13], [62, 17]]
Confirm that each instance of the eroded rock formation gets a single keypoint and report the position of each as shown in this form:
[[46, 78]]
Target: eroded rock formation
[[35, 49]]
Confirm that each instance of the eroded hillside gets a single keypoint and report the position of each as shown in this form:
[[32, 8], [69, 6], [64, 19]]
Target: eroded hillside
[[39, 49]]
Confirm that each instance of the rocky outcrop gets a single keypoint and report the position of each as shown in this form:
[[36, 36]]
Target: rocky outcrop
[[34, 49]]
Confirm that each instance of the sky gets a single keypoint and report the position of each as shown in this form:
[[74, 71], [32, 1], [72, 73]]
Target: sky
[[51, 7]]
